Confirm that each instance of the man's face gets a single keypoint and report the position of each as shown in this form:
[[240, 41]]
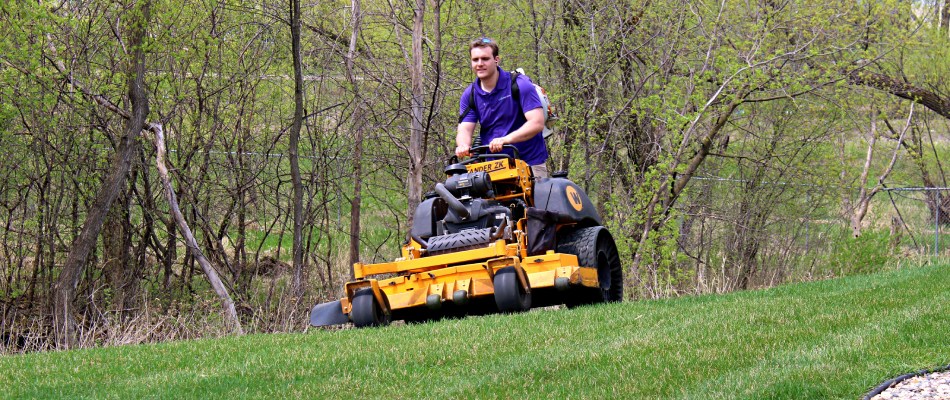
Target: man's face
[[484, 64]]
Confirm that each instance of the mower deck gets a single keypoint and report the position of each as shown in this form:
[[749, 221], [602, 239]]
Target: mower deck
[[446, 275]]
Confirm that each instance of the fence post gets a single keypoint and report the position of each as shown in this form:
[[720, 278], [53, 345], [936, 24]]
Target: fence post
[[936, 223]]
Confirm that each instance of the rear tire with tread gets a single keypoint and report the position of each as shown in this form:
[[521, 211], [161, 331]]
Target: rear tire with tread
[[594, 248]]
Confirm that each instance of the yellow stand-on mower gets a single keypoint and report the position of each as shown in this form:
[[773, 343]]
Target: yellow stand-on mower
[[490, 238]]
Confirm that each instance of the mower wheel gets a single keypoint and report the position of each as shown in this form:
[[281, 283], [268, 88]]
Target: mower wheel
[[366, 310], [594, 248], [460, 297], [510, 296]]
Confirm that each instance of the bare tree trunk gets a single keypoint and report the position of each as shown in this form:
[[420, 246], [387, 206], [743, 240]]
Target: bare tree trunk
[[358, 120], [436, 65], [865, 195], [298, 282], [190, 241], [939, 15], [946, 16], [561, 162], [116, 250], [417, 132], [743, 242], [171, 254], [863, 198], [902, 89], [65, 287]]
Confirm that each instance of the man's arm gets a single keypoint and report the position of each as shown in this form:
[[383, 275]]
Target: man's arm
[[463, 139], [533, 126]]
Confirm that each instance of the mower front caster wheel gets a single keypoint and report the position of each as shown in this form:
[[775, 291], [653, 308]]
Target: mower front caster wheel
[[460, 297], [366, 310], [510, 296]]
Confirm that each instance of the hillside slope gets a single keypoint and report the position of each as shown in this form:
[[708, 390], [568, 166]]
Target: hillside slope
[[829, 339]]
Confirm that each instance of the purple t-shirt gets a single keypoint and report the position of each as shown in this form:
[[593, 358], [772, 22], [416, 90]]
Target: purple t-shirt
[[499, 115]]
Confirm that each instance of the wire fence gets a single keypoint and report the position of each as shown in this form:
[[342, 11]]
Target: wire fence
[[740, 233], [920, 211], [915, 199]]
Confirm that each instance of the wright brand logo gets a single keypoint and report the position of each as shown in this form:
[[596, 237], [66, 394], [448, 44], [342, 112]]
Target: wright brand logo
[[574, 198]]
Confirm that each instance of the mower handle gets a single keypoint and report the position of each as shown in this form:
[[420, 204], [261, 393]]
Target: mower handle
[[477, 149], [475, 157]]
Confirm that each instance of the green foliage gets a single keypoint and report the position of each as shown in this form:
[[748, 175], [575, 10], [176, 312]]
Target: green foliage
[[641, 88], [797, 341], [864, 254]]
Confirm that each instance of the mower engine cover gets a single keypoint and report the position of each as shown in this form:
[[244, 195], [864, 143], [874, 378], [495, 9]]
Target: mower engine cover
[[472, 184], [567, 200]]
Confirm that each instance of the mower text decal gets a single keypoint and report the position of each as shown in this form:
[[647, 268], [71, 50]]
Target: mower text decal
[[574, 198], [489, 167]]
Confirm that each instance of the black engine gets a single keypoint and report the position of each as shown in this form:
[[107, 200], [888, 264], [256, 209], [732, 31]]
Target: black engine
[[457, 216]]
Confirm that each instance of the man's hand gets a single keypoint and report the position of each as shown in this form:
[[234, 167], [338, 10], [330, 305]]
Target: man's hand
[[463, 139], [462, 151], [496, 144]]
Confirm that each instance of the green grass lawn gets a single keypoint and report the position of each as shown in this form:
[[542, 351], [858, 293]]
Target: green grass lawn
[[830, 339]]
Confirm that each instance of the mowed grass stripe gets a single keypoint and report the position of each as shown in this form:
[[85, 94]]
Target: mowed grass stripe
[[803, 371], [828, 339]]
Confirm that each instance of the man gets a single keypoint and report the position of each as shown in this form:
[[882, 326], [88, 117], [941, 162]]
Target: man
[[503, 121]]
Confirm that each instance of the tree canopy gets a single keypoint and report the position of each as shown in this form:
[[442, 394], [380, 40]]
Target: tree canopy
[[716, 138]]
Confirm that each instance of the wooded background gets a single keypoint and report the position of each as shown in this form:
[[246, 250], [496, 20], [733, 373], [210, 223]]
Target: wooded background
[[728, 145]]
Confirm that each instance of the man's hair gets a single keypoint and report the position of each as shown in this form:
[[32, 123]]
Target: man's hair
[[484, 42]]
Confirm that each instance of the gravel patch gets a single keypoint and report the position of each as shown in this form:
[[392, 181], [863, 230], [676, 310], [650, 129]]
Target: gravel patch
[[929, 386]]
